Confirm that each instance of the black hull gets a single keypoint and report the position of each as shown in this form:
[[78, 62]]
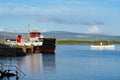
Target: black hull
[[48, 46]]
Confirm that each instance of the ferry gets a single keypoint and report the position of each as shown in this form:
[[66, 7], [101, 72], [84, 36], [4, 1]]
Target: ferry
[[36, 41], [102, 46]]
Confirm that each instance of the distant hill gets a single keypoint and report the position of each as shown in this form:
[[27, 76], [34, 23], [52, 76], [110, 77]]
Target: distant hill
[[79, 36], [63, 35], [10, 35]]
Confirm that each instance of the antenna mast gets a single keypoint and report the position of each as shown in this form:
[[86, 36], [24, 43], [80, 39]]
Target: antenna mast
[[28, 27]]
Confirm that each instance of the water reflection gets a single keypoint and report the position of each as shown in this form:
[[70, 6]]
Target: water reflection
[[48, 62], [38, 64], [34, 65]]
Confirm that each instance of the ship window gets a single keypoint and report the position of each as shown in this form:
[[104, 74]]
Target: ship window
[[41, 40]]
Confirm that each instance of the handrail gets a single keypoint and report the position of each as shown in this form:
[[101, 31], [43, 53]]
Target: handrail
[[13, 66]]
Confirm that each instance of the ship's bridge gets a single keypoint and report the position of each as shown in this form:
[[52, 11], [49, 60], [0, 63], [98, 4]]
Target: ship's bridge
[[35, 35]]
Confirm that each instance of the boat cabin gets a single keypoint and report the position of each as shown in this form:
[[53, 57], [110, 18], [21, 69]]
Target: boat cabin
[[35, 35]]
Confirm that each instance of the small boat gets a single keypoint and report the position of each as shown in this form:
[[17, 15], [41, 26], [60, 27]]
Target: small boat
[[102, 46]]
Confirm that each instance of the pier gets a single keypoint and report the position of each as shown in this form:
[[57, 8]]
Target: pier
[[6, 50], [25, 49], [16, 50]]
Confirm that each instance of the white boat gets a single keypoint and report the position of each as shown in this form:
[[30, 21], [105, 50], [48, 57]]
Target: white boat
[[103, 47]]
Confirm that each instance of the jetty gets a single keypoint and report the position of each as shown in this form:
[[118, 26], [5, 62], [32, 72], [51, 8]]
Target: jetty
[[6, 50]]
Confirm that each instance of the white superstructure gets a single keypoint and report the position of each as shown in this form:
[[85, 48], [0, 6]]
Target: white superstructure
[[34, 40]]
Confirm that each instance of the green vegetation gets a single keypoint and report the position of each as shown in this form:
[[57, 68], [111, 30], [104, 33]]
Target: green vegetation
[[86, 42]]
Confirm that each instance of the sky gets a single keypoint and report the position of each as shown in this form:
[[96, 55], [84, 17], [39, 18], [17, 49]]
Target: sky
[[82, 16]]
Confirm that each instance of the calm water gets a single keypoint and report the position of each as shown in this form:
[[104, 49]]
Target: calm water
[[70, 62]]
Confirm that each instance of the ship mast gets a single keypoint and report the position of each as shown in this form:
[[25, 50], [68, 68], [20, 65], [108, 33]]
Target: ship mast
[[28, 27], [28, 31]]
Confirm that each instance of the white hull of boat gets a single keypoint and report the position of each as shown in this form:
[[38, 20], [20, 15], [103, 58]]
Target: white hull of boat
[[102, 47]]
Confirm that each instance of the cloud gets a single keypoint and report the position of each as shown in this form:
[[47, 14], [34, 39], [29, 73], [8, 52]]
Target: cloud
[[57, 14], [30, 10], [1, 29], [44, 30], [60, 14], [93, 29], [69, 21]]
